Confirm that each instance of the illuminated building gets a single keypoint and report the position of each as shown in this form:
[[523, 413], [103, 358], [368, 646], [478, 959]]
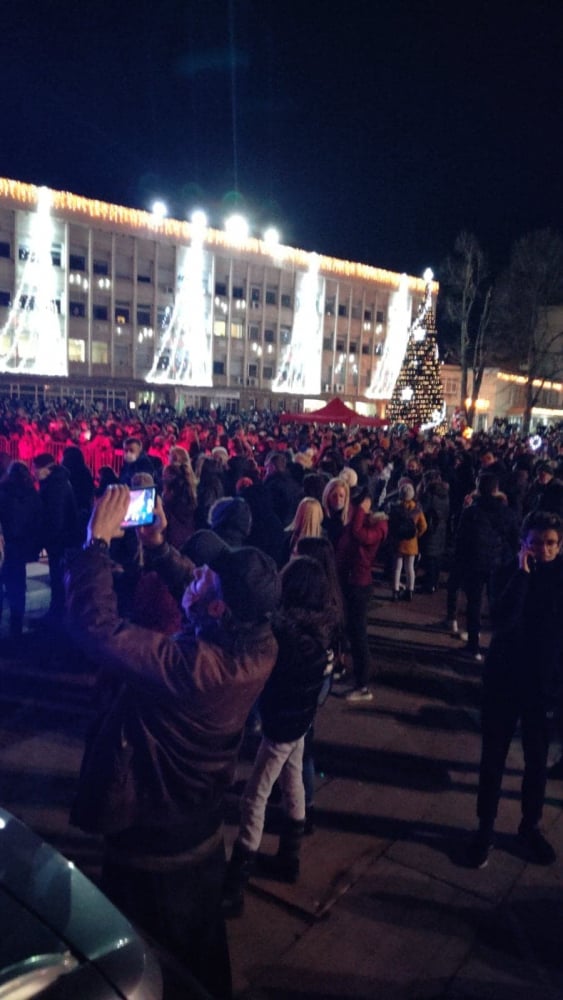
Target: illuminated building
[[117, 304]]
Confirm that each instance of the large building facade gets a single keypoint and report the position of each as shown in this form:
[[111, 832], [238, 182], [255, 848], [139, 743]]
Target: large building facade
[[122, 306]]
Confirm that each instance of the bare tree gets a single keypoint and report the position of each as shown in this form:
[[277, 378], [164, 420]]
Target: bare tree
[[533, 283], [467, 298]]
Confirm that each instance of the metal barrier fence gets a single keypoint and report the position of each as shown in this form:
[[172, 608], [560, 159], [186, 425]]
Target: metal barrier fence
[[94, 458]]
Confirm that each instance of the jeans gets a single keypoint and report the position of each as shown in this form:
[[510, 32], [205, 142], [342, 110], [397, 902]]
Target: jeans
[[273, 761], [357, 603], [499, 720]]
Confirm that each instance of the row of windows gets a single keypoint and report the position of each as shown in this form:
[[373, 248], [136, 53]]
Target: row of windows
[[268, 371], [238, 293]]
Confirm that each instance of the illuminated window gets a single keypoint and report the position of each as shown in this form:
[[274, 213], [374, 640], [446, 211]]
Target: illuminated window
[[76, 351], [99, 352], [220, 328], [237, 330], [121, 315]]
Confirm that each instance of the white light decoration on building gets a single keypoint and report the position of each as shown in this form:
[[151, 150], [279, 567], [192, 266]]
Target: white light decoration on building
[[159, 210], [185, 352], [300, 367], [398, 324], [33, 338], [236, 227], [271, 237], [407, 394]]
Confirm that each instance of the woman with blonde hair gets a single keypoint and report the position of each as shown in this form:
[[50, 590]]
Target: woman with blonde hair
[[336, 507], [307, 523], [179, 501]]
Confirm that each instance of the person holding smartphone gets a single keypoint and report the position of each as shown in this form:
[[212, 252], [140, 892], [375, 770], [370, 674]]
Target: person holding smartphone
[[523, 680]]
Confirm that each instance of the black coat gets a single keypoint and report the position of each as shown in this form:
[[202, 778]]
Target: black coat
[[21, 517], [487, 536], [61, 529], [525, 657], [289, 700]]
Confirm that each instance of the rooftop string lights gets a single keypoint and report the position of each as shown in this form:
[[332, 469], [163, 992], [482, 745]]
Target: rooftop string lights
[[94, 211]]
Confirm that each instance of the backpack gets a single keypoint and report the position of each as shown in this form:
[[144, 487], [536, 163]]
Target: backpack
[[401, 522]]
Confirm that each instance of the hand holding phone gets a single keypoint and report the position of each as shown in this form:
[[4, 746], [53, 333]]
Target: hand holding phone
[[141, 508], [526, 559]]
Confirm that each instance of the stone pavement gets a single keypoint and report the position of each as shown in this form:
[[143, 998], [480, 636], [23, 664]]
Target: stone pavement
[[385, 907]]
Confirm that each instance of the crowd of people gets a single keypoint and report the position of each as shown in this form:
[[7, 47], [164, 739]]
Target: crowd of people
[[243, 601]]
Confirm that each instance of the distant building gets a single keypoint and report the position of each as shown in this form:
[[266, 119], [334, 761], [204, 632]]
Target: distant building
[[502, 397], [117, 305]]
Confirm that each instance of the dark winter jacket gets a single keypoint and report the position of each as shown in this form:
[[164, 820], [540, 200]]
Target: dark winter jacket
[[165, 746], [290, 697], [61, 529], [525, 657], [435, 503], [21, 517], [487, 536]]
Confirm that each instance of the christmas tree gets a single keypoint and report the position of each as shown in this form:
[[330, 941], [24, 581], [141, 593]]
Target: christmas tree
[[417, 398]]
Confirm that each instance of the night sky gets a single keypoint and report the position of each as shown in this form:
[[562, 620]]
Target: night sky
[[371, 131]]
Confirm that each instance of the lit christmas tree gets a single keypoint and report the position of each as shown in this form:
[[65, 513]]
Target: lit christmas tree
[[417, 399]]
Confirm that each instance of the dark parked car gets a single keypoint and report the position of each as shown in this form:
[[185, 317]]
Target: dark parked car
[[60, 938]]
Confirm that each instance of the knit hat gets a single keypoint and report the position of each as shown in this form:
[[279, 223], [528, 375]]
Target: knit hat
[[230, 517], [407, 492], [204, 547], [349, 475]]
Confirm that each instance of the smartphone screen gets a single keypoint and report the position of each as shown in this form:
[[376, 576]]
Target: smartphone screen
[[141, 508]]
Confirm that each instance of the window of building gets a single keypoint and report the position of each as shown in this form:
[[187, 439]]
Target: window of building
[[252, 371], [238, 292], [5, 299], [100, 313], [220, 288], [4, 249], [121, 354], [286, 301], [144, 315], [366, 349], [271, 297], [379, 316], [100, 267], [218, 367], [100, 352], [237, 330], [255, 297], [122, 315], [76, 262], [27, 302], [343, 310], [330, 306], [367, 315], [144, 271], [77, 309], [356, 312], [353, 348], [220, 328], [378, 349], [76, 350], [269, 336], [285, 335], [163, 315], [253, 332], [327, 343], [268, 372], [340, 346], [23, 253]]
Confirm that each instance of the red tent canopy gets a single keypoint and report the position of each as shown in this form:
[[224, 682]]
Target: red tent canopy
[[335, 412]]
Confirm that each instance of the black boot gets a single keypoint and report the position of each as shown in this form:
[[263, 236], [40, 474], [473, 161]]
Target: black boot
[[239, 870], [287, 858]]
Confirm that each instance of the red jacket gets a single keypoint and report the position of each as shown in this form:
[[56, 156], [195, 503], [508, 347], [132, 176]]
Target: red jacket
[[358, 546]]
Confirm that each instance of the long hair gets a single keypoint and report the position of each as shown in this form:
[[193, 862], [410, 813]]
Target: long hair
[[322, 551], [178, 483], [18, 474], [304, 586], [307, 521], [327, 493]]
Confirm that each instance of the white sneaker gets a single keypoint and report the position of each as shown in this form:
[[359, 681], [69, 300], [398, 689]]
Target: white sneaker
[[360, 694]]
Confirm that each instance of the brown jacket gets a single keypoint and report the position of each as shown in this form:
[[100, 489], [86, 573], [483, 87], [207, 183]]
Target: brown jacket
[[164, 748]]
